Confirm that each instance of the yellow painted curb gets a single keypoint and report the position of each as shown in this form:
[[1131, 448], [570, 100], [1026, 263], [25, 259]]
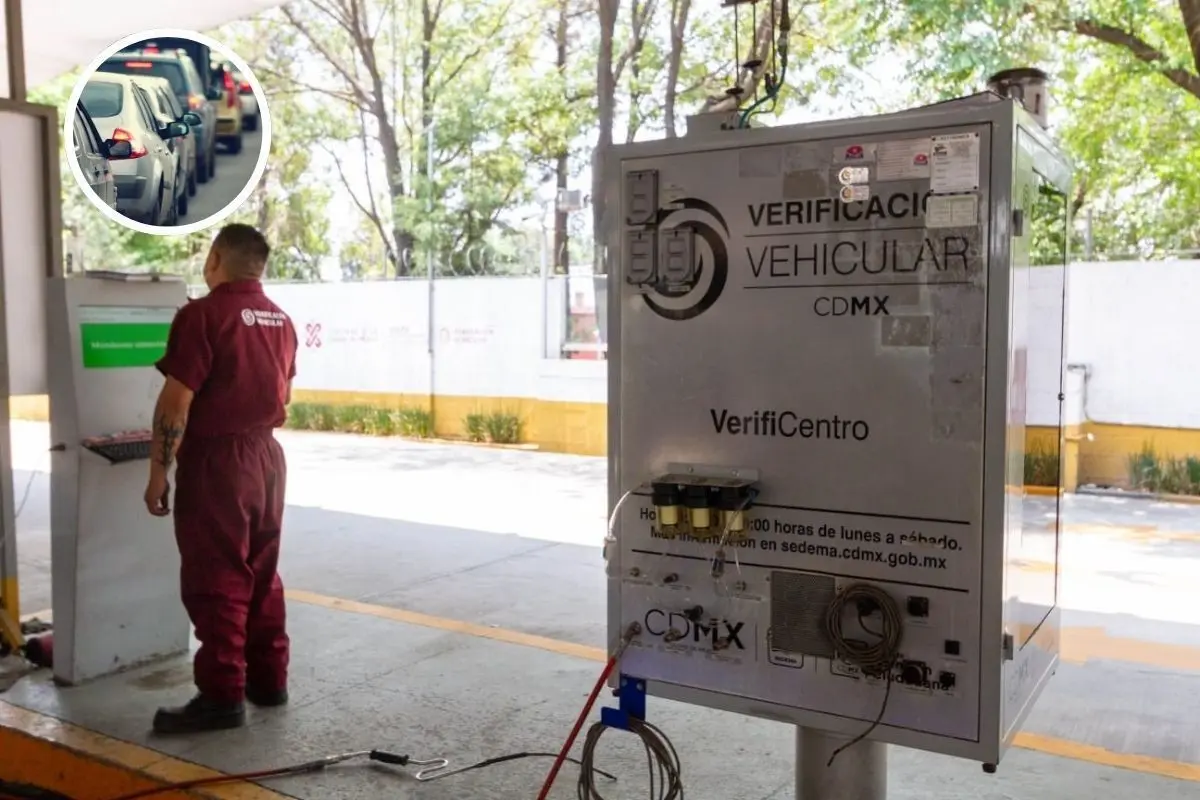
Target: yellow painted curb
[[1185, 499], [55, 755], [1043, 491]]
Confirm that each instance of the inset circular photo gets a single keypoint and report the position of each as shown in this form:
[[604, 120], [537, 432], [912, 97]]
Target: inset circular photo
[[168, 132]]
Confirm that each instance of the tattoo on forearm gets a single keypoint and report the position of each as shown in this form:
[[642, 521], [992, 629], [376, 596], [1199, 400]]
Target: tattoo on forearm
[[168, 433]]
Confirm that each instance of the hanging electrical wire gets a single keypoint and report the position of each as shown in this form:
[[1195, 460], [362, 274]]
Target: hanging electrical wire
[[774, 83], [875, 659], [631, 632], [666, 772]]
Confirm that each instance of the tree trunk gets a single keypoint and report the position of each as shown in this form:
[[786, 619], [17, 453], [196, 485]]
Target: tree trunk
[[429, 23], [263, 220], [1190, 11], [640, 12], [606, 91], [680, 9], [561, 262]]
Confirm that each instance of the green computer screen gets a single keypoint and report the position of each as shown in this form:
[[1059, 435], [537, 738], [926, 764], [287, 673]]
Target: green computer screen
[[113, 337]]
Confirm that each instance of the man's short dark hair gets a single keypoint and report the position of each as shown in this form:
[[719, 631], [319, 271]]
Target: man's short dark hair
[[243, 249]]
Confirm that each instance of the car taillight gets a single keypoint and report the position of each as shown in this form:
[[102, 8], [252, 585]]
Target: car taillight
[[138, 64], [246, 88], [230, 90], [196, 101], [137, 148]]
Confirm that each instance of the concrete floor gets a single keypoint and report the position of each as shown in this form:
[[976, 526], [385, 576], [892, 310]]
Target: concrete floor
[[367, 523]]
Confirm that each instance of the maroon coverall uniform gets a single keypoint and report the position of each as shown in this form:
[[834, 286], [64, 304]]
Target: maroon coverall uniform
[[237, 351]]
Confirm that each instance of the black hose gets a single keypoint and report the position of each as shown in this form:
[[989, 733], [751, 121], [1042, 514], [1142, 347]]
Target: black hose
[[25, 791]]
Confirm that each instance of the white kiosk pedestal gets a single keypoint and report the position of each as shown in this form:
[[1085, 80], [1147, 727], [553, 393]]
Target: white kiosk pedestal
[[115, 568]]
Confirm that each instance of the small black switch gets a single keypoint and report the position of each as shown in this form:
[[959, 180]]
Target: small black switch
[[946, 681], [918, 606], [953, 648], [913, 673]]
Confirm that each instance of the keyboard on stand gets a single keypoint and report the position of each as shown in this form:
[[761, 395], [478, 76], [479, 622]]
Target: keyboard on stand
[[120, 448]]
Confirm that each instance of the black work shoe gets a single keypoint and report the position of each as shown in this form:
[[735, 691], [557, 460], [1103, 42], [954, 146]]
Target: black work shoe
[[199, 716], [267, 699]]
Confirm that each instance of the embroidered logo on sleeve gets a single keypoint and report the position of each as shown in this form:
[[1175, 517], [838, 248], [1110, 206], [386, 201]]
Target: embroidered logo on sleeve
[[266, 319]]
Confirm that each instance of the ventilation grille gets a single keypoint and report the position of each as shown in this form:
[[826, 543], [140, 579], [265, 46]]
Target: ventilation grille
[[798, 604]]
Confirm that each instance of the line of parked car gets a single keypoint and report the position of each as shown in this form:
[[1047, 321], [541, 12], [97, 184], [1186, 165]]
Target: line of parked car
[[148, 125]]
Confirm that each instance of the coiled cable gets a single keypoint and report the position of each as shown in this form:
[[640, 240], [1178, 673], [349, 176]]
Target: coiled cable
[[877, 658], [666, 773]]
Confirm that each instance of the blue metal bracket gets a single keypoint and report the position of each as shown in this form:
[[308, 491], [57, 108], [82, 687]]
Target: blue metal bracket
[[631, 699]]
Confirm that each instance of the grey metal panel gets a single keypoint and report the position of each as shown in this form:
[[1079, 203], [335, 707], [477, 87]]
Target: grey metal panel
[[32, 245], [995, 460], [30, 240], [657, 379], [115, 568], [1035, 623]]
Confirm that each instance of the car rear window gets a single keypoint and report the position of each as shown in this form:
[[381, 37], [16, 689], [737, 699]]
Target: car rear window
[[103, 99], [173, 72]]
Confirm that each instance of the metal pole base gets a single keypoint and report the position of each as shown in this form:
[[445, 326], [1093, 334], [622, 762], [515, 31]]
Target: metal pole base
[[858, 773]]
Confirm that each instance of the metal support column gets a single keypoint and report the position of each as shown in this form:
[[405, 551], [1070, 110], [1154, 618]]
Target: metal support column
[[10, 607], [858, 773], [14, 29]]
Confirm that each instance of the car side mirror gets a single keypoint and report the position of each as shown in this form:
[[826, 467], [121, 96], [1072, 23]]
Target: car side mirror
[[174, 130], [215, 94], [117, 150], [192, 118]]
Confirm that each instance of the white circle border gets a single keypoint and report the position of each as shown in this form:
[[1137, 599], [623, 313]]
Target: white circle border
[[264, 124]]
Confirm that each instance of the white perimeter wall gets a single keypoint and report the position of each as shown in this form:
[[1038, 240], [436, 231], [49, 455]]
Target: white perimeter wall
[[489, 338], [1131, 324]]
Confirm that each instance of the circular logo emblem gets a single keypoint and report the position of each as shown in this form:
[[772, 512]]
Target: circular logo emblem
[[712, 263], [247, 316]]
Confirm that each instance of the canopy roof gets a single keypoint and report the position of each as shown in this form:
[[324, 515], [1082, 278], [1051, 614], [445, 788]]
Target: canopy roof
[[61, 35]]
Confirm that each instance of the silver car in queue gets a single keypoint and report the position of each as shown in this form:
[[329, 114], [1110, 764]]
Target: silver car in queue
[[122, 111], [167, 110]]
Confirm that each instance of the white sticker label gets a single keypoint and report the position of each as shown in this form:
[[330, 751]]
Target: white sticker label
[[855, 194], [903, 161], [954, 163], [952, 211], [852, 153], [852, 175]]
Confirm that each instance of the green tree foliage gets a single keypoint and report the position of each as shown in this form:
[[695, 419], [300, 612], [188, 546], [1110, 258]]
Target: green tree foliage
[[516, 95], [1127, 75], [393, 73], [290, 202]]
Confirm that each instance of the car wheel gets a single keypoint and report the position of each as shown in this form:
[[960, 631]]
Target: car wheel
[[191, 181], [251, 123], [212, 162], [155, 217], [182, 205], [235, 144], [202, 170]]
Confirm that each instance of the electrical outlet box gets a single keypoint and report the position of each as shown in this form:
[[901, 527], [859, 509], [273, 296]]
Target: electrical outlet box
[[678, 257], [640, 257], [875, 352], [641, 197]]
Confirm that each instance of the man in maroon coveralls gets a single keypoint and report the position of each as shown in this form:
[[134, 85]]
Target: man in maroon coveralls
[[229, 364]]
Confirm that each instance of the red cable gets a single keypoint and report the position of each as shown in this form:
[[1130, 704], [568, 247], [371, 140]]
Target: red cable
[[587, 710]]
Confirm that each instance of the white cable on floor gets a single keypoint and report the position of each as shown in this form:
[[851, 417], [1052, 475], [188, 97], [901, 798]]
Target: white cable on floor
[[666, 773]]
